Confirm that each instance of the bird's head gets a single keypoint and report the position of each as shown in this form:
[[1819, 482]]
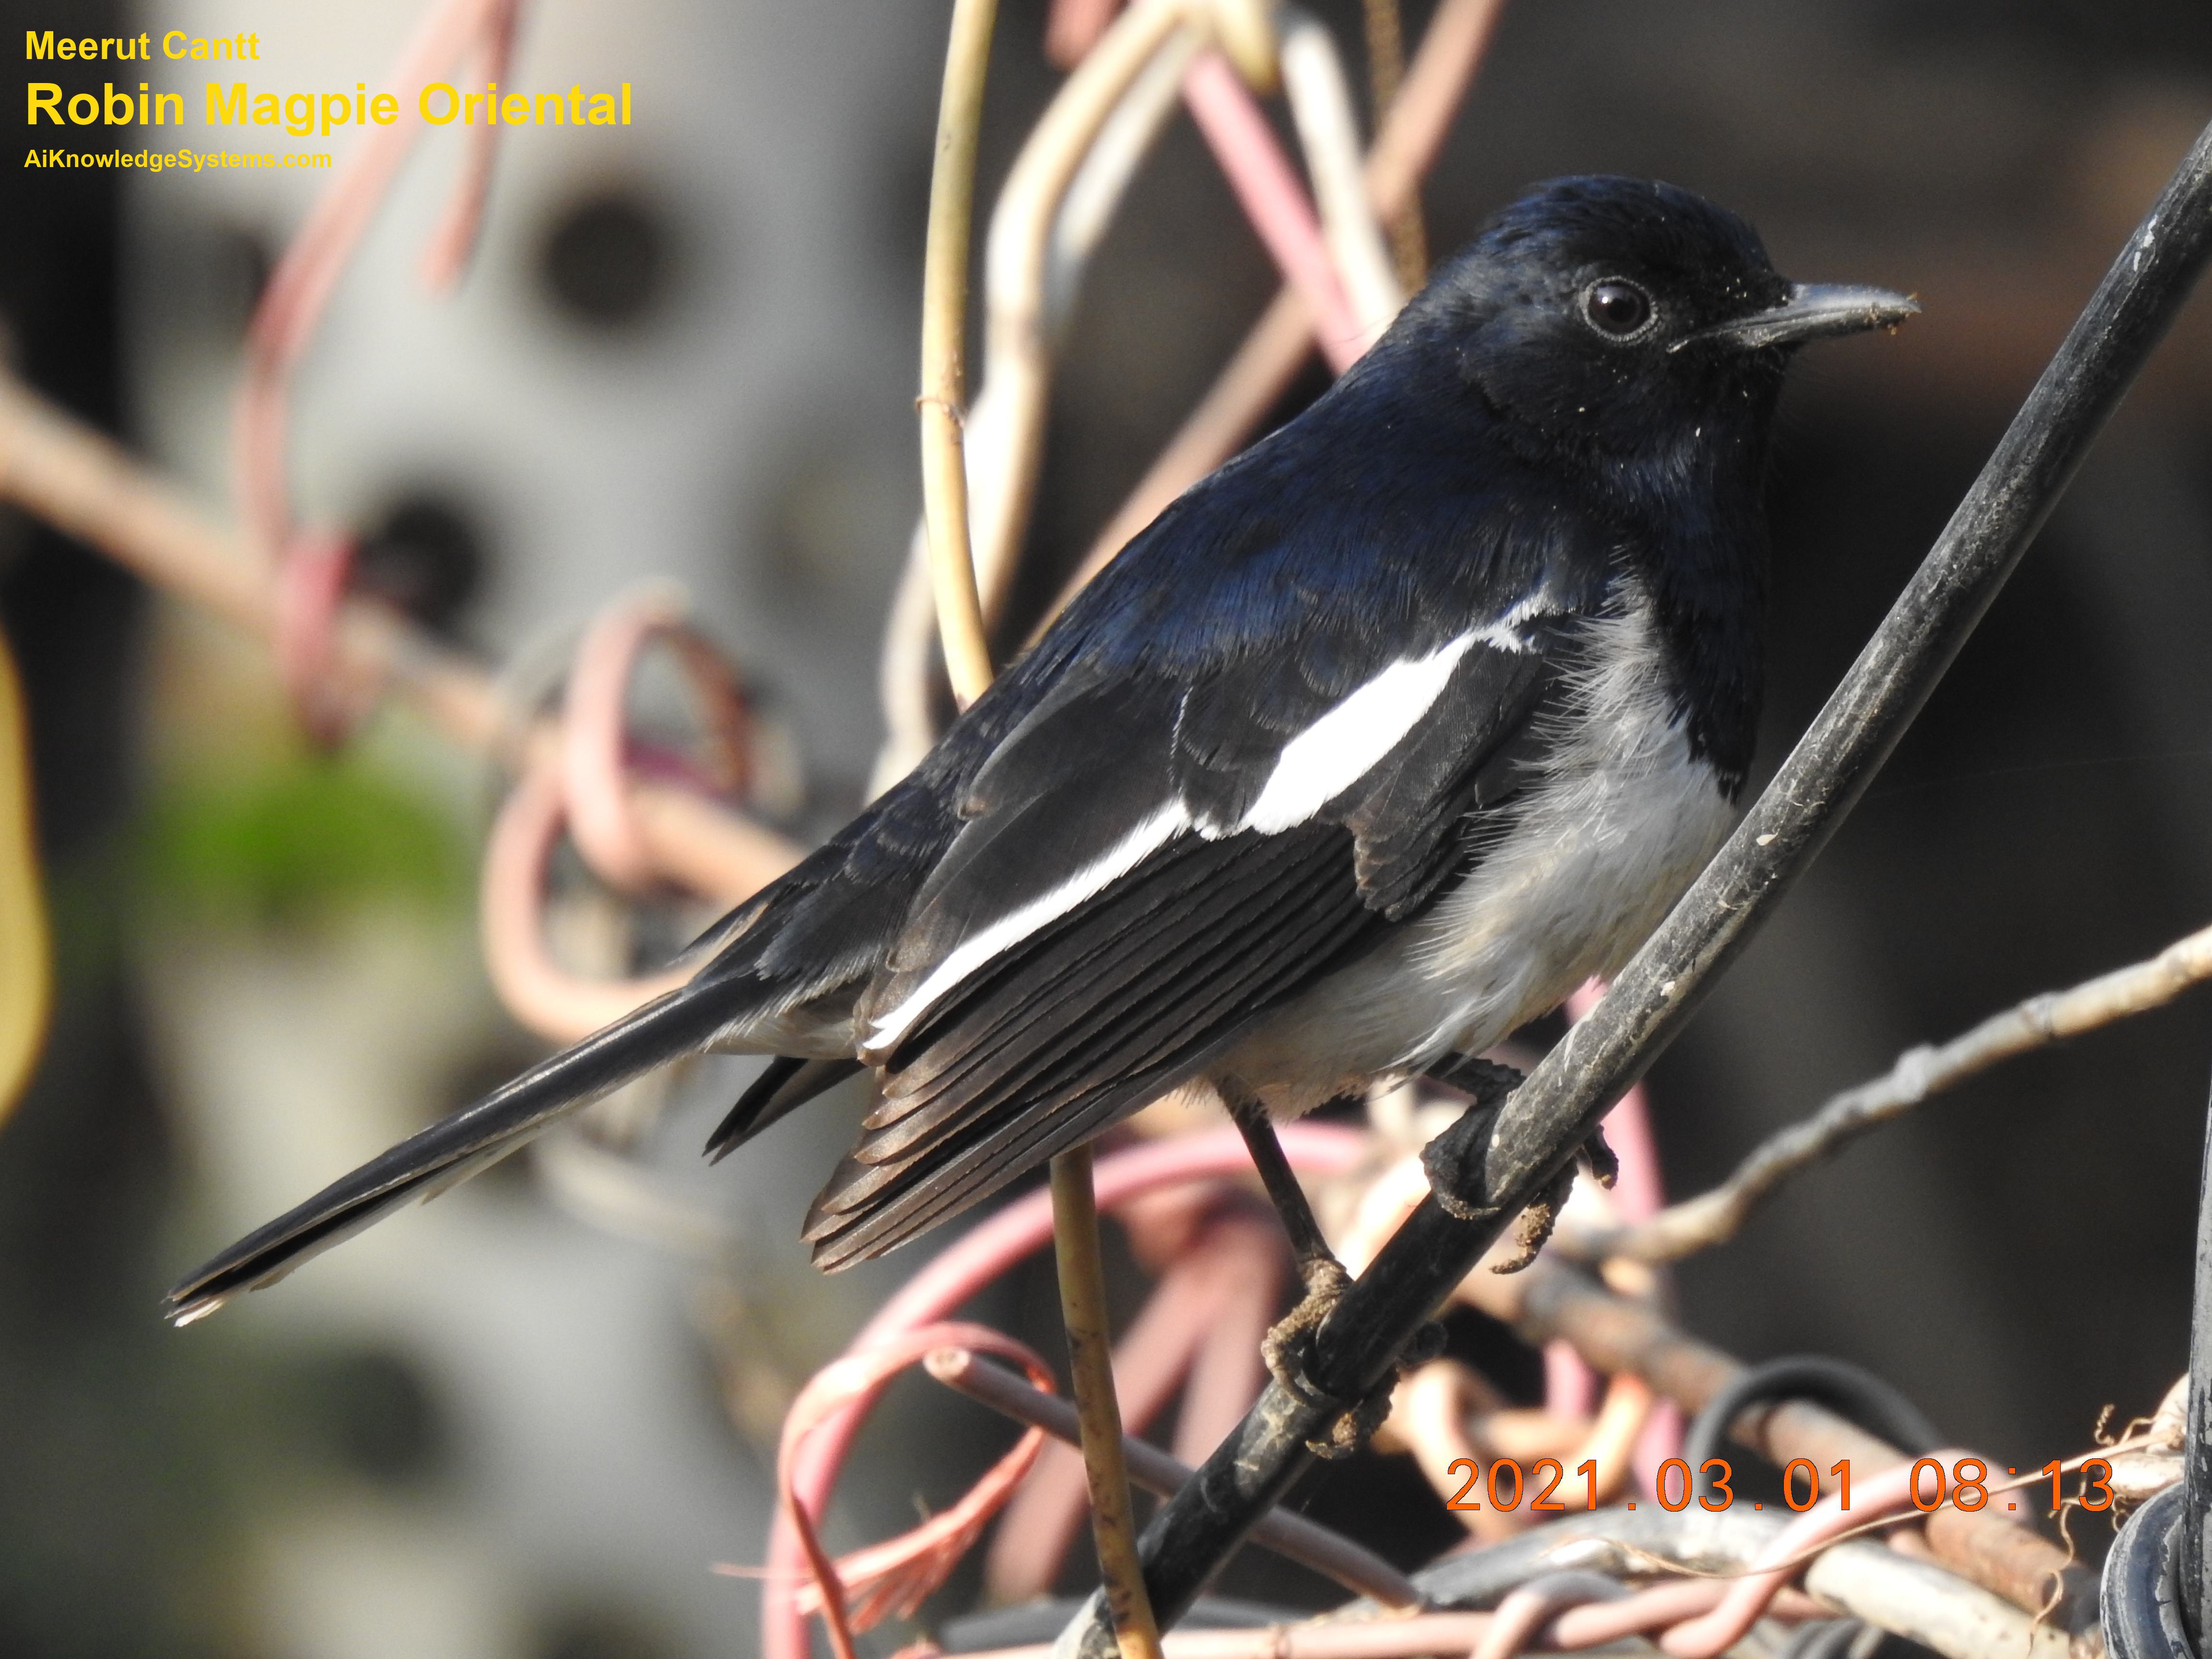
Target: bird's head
[[1612, 313]]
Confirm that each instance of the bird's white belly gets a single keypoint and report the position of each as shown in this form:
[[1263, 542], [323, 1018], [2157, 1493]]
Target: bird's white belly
[[1591, 861]]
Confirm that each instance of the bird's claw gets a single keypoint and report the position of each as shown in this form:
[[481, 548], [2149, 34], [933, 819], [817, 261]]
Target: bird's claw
[[1289, 1345], [1288, 1351]]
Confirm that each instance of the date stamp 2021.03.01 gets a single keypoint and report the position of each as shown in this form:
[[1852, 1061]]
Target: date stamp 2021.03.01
[[1967, 1484]]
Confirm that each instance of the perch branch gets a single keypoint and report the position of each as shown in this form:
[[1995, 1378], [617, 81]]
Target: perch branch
[[1710, 1218], [1565, 1097]]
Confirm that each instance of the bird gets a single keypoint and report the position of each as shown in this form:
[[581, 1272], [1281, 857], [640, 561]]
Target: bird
[[1372, 747]]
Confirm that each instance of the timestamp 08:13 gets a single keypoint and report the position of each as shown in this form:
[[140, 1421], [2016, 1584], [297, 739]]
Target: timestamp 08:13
[[1965, 1483]]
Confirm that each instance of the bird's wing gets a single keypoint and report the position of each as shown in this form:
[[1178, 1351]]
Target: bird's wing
[[1145, 867]]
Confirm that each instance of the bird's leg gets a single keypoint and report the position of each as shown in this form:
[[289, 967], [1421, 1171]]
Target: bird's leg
[[1288, 1346], [1317, 1264]]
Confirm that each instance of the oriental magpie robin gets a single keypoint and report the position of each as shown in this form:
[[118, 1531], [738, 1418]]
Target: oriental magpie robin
[[1371, 748]]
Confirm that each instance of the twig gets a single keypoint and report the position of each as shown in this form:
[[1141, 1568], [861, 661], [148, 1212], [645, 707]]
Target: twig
[[1090, 1364], [943, 322], [25, 979], [1535, 1133], [1199, 1331], [1055, 207], [1698, 1223], [1290, 1535], [1386, 75]]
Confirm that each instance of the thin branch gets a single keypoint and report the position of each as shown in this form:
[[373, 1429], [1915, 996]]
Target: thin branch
[[1386, 76], [1090, 1364], [1056, 206], [1290, 1535], [1535, 1133], [1219, 1285], [944, 375], [1711, 1217]]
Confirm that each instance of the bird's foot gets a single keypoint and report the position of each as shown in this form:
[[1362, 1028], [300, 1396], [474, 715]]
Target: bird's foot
[[1453, 1160], [1288, 1351], [1535, 1225], [1289, 1344]]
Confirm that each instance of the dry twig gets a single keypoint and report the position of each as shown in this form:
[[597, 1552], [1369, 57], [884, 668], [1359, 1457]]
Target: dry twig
[[1711, 1217], [944, 375], [26, 984], [1091, 1364]]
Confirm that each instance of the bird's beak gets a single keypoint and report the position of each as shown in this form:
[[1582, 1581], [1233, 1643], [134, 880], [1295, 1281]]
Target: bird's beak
[[1814, 311]]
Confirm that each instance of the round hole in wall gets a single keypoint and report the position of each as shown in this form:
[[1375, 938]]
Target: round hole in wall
[[425, 556], [608, 259]]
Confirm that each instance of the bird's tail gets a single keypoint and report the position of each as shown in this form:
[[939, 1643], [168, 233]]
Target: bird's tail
[[681, 1022]]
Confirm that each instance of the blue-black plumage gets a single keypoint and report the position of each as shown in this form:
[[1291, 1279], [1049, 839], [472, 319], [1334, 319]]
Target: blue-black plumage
[[1370, 748]]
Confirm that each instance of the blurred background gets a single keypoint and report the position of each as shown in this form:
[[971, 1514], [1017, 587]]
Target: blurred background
[[524, 1421]]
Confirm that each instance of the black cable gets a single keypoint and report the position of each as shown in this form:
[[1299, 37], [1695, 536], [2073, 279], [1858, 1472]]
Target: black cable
[[1851, 1391]]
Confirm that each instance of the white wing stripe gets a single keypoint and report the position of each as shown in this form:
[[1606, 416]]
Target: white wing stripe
[[1009, 930], [1346, 743]]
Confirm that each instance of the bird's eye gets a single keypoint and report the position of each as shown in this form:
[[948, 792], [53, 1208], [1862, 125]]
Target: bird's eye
[[1617, 307]]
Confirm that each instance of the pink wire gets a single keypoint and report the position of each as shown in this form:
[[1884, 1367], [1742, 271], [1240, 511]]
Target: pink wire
[[973, 1261], [895, 1576], [597, 756], [555, 1004], [1072, 27], [311, 586], [1273, 198], [454, 240]]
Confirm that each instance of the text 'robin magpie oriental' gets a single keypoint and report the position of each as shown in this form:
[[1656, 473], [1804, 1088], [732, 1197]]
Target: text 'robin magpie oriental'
[[1371, 748]]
